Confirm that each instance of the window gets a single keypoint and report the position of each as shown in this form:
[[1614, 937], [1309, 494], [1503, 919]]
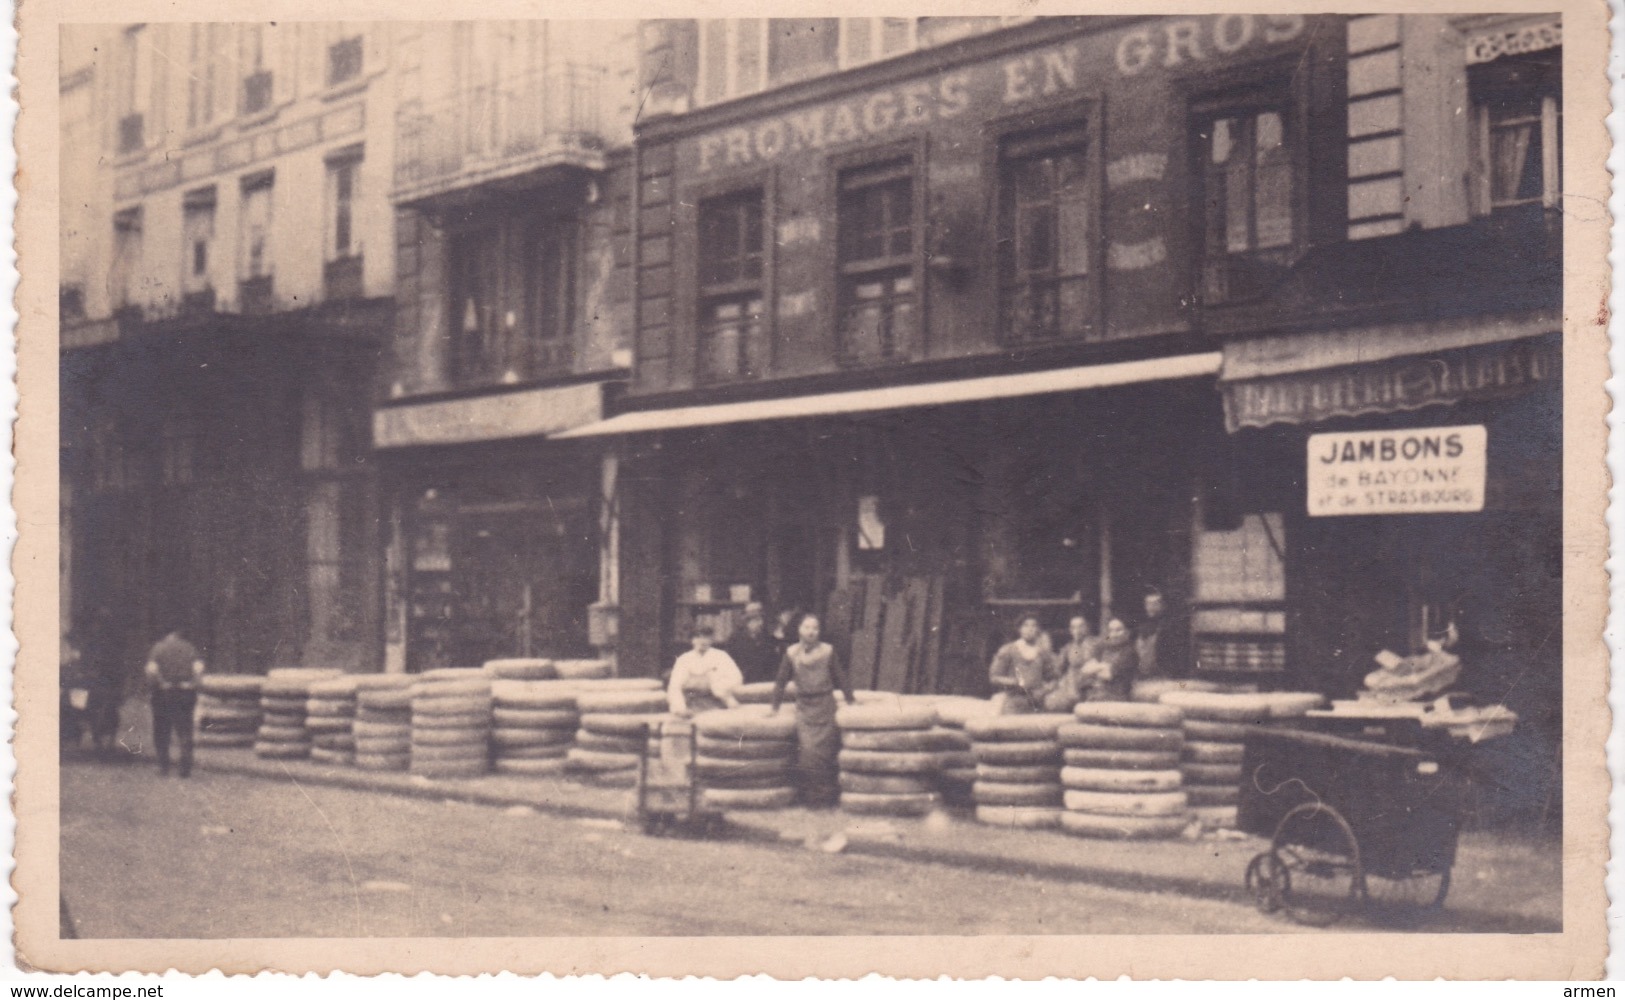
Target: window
[[1245, 171], [865, 39], [732, 57], [254, 243], [197, 235], [126, 257], [549, 296], [203, 66], [1045, 235], [731, 337], [473, 268], [1518, 109], [256, 223], [344, 60], [135, 94], [259, 54], [343, 248], [801, 47], [512, 299], [875, 219]]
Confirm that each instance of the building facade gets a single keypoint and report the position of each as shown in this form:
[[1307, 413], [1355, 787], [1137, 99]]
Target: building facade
[[512, 143], [227, 264], [940, 319]]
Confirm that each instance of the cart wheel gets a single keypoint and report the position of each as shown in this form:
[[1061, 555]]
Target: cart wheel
[[1266, 882], [1320, 861], [1406, 902]]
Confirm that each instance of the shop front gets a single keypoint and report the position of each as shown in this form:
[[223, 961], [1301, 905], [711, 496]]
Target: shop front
[[1419, 499], [919, 533], [492, 544]]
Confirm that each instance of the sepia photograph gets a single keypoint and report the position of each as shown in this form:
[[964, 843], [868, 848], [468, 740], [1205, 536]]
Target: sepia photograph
[[993, 477]]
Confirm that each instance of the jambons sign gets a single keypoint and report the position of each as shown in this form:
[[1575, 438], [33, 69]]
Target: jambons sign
[[1422, 471], [1051, 72]]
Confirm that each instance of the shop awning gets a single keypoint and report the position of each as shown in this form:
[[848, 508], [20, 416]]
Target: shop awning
[[908, 396], [498, 416], [1310, 377]]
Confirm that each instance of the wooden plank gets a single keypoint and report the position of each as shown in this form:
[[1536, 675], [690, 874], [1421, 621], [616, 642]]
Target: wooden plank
[[891, 673], [930, 654], [866, 634]]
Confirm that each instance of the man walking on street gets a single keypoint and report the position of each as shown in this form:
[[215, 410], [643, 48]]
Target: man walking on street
[[173, 668]]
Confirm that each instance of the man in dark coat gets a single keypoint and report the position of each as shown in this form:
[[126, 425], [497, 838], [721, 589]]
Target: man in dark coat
[[754, 649]]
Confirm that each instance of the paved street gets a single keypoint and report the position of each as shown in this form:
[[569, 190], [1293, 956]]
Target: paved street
[[222, 856]]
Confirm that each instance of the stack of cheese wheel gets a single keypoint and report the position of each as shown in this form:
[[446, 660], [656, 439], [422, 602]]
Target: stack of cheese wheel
[[1122, 773], [743, 757], [1018, 769], [534, 724], [613, 734], [956, 767], [451, 723], [1216, 725], [582, 670], [329, 715], [526, 669], [889, 757], [383, 722], [228, 710], [282, 732]]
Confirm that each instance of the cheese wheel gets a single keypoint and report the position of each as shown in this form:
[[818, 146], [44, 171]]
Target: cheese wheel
[[1100, 779], [1204, 752], [883, 762], [1134, 760], [1084, 824], [886, 716], [1016, 728], [1127, 713], [1093, 737], [1015, 753], [995, 793], [1019, 817], [1127, 803]]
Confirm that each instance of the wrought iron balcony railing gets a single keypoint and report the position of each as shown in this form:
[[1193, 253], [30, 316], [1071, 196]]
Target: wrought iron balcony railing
[[496, 131]]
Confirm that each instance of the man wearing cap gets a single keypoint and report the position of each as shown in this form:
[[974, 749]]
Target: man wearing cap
[[754, 648]]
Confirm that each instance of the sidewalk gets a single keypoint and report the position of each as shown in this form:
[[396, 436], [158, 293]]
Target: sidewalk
[[1501, 882]]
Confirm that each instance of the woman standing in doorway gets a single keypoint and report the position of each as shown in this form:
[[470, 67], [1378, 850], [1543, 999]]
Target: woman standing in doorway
[[817, 672]]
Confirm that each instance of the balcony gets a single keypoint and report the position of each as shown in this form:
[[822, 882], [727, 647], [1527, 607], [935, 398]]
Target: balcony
[[503, 132]]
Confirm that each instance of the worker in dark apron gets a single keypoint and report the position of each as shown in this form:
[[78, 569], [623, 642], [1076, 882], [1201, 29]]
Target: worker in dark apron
[[817, 672]]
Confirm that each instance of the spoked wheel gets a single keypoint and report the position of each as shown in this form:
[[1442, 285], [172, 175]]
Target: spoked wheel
[[1408, 901], [1322, 880], [1267, 882]]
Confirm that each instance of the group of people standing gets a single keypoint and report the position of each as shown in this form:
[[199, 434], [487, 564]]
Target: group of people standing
[[1029, 675], [707, 677]]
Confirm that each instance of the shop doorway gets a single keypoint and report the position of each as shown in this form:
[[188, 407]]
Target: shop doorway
[[495, 580]]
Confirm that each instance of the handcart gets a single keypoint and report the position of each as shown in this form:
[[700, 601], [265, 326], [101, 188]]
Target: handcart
[[670, 798], [1355, 824]]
